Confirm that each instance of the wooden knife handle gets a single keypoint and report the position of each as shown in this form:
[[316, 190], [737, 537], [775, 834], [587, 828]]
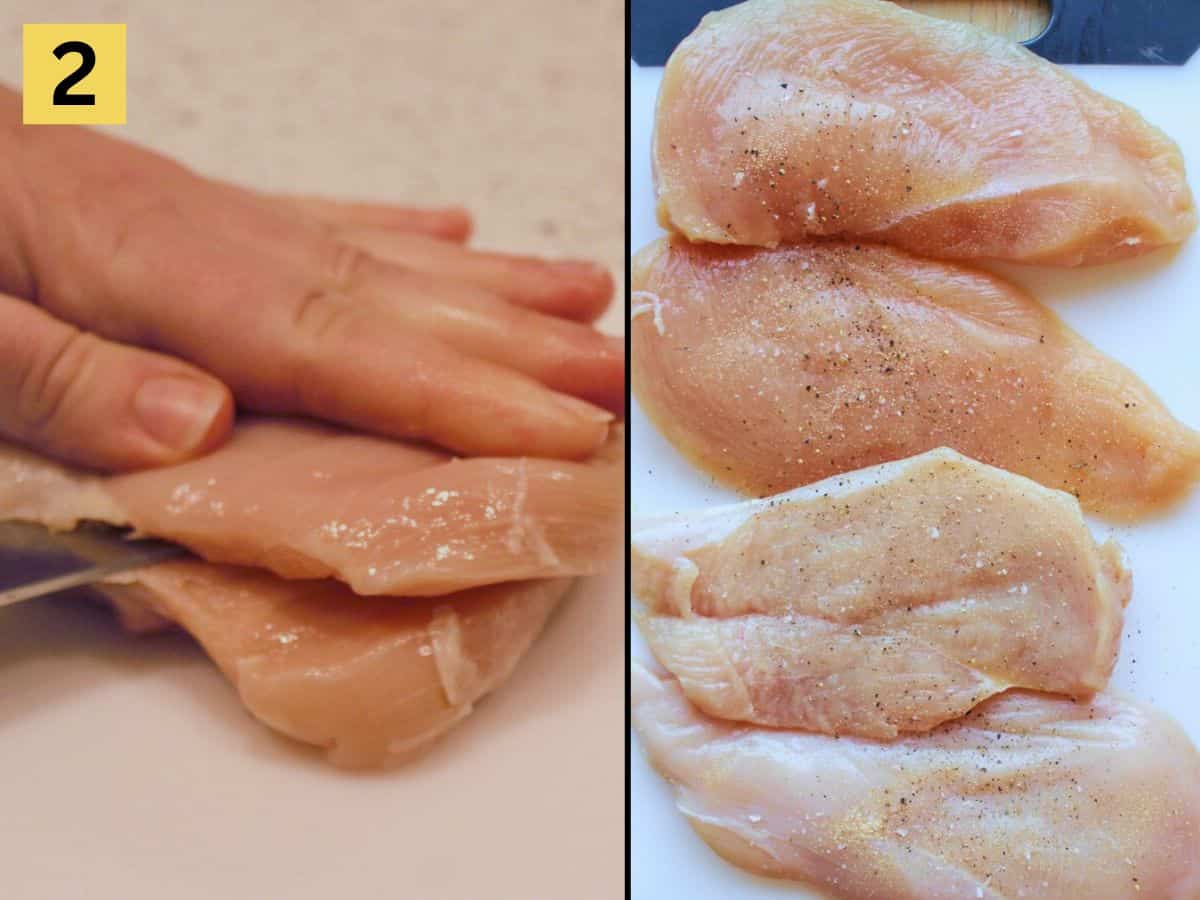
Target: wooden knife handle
[[1019, 20]]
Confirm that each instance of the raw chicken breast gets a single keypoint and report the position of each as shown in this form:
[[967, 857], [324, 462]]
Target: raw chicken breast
[[368, 679], [1028, 796], [888, 600], [305, 501], [776, 368], [781, 119]]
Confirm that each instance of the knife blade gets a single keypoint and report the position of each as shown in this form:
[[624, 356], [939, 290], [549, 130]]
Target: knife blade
[[1111, 32], [35, 561]]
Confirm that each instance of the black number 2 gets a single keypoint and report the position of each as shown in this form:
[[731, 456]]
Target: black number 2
[[62, 95]]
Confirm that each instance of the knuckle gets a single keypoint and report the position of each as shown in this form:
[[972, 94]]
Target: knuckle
[[320, 315], [147, 218], [52, 376], [321, 321], [102, 231], [345, 266], [115, 203]]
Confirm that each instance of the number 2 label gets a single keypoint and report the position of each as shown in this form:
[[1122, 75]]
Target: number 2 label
[[62, 94], [74, 74]]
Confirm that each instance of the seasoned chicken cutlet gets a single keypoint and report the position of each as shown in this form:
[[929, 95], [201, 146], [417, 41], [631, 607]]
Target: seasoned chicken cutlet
[[884, 601], [779, 120], [1028, 796], [776, 368]]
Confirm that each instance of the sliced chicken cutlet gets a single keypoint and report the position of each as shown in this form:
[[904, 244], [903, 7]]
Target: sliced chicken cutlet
[[776, 368], [888, 600], [306, 501], [779, 120], [368, 679], [1028, 796]]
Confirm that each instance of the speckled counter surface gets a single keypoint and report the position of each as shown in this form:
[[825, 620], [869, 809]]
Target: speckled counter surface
[[515, 109], [131, 769]]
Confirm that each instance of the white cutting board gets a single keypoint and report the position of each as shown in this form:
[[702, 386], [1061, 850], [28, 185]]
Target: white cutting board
[[1145, 313]]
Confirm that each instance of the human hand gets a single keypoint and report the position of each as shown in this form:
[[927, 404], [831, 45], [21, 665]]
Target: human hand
[[138, 299]]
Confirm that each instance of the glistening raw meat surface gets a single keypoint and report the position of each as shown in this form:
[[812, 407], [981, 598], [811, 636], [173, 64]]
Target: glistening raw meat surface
[[1028, 796], [368, 679], [779, 120], [884, 601], [305, 501], [775, 368]]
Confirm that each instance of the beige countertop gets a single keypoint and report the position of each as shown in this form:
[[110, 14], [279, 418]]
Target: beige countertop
[[131, 769], [515, 109]]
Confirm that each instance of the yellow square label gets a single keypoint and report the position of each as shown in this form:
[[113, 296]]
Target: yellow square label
[[74, 75]]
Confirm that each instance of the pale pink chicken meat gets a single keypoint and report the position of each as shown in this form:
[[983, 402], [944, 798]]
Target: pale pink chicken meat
[[779, 120], [776, 368], [1028, 796], [306, 501], [369, 680], [884, 601]]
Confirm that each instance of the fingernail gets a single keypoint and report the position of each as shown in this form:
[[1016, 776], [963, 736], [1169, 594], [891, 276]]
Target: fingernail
[[177, 411], [583, 409]]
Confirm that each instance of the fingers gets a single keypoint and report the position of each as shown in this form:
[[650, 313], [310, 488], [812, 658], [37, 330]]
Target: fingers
[[565, 356], [418, 239], [268, 303], [409, 237], [102, 405], [287, 343], [466, 404], [566, 288], [451, 223]]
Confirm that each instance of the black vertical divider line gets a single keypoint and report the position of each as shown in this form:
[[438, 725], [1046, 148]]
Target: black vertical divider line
[[628, 460]]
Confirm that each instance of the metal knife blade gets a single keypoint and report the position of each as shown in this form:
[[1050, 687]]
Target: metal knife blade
[[1113, 32], [35, 561]]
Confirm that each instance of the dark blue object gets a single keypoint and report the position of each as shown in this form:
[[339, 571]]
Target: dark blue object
[[1115, 32], [1120, 32]]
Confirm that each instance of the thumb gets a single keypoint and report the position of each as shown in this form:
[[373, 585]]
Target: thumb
[[95, 403]]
